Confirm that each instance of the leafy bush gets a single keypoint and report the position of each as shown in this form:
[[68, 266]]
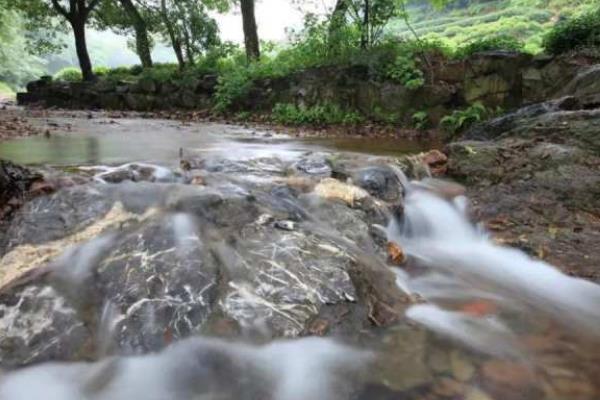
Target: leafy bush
[[405, 70], [231, 86], [500, 42], [324, 114], [460, 120], [574, 33], [101, 71], [69, 74], [420, 120]]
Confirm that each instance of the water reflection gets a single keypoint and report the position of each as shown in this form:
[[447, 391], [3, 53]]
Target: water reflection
[[102, 141]]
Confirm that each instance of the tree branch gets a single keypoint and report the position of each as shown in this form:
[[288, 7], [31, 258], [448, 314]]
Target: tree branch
[[60, 9], [92, 5]]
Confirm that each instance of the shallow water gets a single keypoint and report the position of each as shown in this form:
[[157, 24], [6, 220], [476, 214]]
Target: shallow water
[[108, 141]]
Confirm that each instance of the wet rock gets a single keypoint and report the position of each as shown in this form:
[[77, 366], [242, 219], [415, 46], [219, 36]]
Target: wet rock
[[380, 182], [27, 257], [476, 394], [137, 173], [314, 164], [333, 189], [436, 161], [462, 369], [15, 181], [537, 165], [209, 259], [508, 374], [53, 217], [38, 324], [447, 387], [402, 363]]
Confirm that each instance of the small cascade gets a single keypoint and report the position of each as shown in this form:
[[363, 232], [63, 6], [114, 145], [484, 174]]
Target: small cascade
[[464, 276]]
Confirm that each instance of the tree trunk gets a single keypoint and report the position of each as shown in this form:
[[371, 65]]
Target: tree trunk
[[83, 56], [364, 39], [142, 41], [250, 30], [338, 16], [175, 39], [336, 23]]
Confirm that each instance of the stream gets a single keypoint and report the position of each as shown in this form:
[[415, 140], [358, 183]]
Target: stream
[[209, 261]]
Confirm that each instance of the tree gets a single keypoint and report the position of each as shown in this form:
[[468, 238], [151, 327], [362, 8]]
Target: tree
[[77, 15], [124, 16], [250, 30], [75, 12], [369, 16], [17, 65], [188, 27]]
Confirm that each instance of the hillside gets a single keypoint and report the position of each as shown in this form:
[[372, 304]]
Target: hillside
[[467, 20]]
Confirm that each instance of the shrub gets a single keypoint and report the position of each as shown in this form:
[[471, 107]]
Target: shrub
[[102, 71], [231, 86], [420, 120], [69, 74], [578, 32], [460, 120], [405, 70], [323, 114], [500, 42]]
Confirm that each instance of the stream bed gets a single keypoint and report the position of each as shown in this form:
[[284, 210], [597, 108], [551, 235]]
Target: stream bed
[[207, 261]]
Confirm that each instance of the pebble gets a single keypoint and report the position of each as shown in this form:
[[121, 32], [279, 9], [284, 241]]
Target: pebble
[[507, 373], [476, 394], [285, 225], [462, 369]]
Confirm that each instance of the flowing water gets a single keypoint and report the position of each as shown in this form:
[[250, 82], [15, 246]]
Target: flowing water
[[489, 322]]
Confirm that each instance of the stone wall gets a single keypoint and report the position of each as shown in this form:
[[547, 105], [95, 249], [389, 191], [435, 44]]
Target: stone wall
[[496, 79]]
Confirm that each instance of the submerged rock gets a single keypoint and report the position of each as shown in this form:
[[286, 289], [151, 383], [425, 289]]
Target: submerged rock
[[130, 268]]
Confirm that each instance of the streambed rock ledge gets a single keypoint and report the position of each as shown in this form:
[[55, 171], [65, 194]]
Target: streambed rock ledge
[[128, 268]]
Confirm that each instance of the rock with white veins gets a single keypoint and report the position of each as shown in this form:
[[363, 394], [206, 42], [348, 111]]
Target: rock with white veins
[[171, 261]]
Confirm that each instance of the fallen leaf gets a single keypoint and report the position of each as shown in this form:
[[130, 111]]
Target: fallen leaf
[[396, 253]]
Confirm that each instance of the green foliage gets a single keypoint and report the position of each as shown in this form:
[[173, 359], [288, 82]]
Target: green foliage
[[6, 90], [467, 21], [17, 65], [232, 85], [420, 120], [500, 42], [460, 120], [323, 114], [101, 71], [69, 74], [578, 32], [405, 70]]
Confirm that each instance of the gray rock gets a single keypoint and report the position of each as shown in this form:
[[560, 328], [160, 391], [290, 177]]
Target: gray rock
[[381, 182]]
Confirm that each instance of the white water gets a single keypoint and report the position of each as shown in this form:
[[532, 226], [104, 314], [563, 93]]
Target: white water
[[200, 369], [460, 263]]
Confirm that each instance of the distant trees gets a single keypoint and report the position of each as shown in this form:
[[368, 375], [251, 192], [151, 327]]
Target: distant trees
[[368, 16]]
